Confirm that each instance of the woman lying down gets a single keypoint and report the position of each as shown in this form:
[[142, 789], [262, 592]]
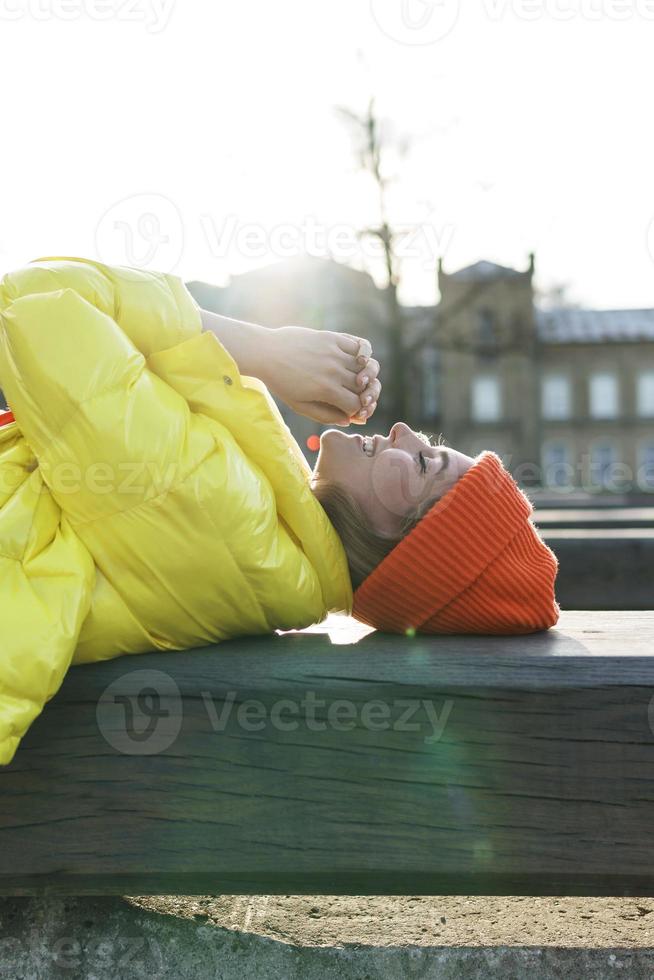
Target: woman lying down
[[152, 497]]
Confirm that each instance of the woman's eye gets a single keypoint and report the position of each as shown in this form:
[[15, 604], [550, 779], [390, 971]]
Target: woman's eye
[[423, 464]]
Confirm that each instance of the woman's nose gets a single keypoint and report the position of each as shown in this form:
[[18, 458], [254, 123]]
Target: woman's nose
[[398, 430]]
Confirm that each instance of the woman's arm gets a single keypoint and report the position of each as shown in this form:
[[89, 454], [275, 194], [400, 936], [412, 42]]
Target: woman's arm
[[328, 376], [243, 340]]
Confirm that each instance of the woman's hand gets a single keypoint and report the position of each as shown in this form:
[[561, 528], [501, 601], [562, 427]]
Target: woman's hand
[[328, 376]]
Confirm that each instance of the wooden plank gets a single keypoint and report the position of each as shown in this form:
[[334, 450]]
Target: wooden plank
[[341, 760]]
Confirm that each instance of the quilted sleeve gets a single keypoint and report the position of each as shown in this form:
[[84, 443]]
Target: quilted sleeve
[[147, 486], [46, 581], [153, 309], [93, 414]]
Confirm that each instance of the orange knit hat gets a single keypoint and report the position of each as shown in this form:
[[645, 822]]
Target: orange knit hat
[[475, 563]]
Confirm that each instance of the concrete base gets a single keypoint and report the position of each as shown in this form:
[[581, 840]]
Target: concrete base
[[114, 939]]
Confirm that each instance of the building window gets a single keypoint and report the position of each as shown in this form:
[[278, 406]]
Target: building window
[[603, 395], [603, 462], [486, 398], [558, 470], [486, 331], [645, 394], [645, 475], [555, 396], [430, 382]]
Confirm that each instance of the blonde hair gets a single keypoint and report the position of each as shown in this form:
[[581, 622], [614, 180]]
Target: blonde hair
[[364, 547]]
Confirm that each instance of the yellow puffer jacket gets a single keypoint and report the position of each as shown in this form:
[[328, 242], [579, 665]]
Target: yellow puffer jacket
[[151, 497]]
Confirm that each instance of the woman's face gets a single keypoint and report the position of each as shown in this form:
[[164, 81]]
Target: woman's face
[[389, 476]]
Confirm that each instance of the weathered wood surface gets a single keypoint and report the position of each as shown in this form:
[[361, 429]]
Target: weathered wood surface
[[487, 765]]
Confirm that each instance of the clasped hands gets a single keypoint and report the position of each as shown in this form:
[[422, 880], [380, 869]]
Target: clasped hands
[[327, 376]]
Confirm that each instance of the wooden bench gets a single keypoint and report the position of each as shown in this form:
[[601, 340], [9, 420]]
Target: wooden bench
[[342, 761], [595, 518], [603, 568]]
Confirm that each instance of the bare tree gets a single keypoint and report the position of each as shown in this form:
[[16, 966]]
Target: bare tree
[[556, 296], [373, 147], [375, 144]]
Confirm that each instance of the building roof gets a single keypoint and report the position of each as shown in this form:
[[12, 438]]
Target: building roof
[[569, 326], [351, 301], [485, 270], [323, 270]]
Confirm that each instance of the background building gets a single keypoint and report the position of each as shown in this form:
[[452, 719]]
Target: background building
[[564, 395], [568, 391]]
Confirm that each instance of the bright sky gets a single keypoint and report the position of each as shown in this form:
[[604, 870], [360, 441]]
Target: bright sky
[[200, 137]]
